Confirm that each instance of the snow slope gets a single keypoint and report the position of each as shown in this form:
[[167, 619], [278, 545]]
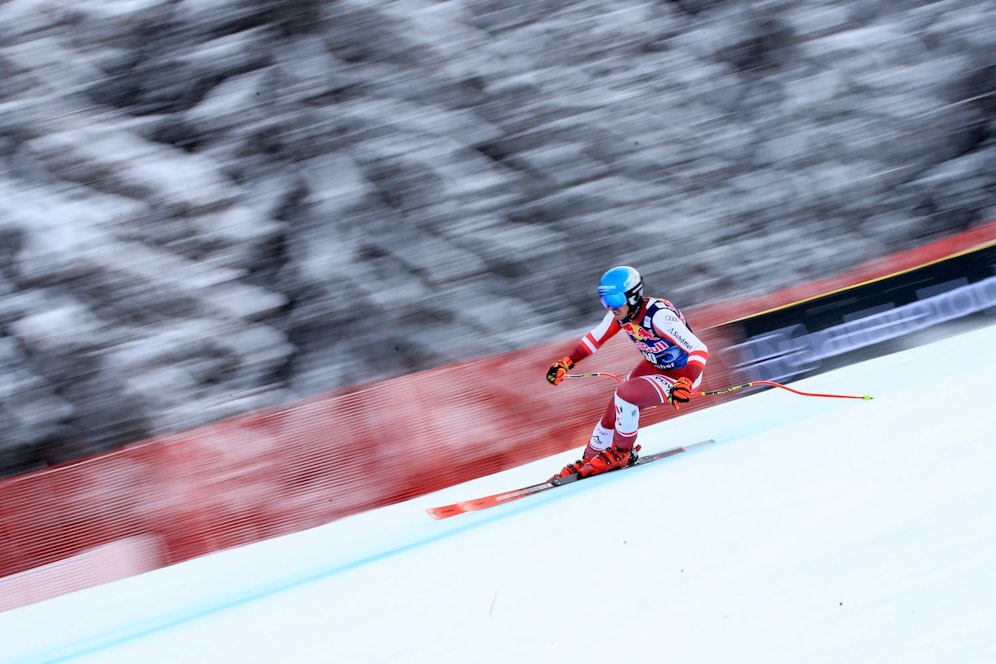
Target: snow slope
[[814, 530]]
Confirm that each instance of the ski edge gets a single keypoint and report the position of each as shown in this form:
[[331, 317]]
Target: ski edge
[[495, 499]]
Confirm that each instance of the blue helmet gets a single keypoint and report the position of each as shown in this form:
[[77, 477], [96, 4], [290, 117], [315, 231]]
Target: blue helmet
[[621, 285]]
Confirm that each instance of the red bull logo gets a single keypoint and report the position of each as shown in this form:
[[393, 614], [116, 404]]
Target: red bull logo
[[637, 332]]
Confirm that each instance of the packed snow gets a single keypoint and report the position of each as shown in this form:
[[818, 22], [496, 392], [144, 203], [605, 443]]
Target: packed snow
[[813, 530]]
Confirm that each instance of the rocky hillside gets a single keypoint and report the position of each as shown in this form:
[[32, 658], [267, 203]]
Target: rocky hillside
[[208, 206]]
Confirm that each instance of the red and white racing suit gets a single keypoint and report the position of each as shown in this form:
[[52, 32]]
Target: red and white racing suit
[[670, 350]]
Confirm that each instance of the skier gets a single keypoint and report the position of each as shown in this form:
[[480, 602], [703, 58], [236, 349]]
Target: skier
[[674, 359]]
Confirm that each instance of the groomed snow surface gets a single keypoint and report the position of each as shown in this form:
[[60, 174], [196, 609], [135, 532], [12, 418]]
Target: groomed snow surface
[[813, 531]]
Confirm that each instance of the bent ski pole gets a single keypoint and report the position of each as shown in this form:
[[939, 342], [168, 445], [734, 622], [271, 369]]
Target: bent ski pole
[[734, 388]]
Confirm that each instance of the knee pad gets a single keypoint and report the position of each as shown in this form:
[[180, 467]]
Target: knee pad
[[627, 417]]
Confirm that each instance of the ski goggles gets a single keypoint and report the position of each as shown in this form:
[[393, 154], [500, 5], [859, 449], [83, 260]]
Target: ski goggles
[[613, 300]]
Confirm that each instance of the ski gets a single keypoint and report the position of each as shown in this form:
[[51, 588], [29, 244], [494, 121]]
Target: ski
[[484, 502]]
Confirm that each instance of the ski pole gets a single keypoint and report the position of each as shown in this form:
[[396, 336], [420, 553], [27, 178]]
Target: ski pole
[[734, 388], [596, 374]]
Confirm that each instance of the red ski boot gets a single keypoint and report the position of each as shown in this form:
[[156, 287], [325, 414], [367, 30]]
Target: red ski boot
[[609, 459], [569, 469]]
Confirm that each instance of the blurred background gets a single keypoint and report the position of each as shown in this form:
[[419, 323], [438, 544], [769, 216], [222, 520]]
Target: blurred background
[[212, 206]]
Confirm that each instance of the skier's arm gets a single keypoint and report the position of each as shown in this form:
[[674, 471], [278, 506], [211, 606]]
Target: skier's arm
[[593, 340], [587, 345]]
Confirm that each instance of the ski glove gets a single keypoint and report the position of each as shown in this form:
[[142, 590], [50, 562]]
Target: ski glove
[[558, 370], [681, 392]]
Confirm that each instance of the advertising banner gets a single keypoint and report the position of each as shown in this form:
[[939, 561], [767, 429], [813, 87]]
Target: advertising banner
[[849, 324]]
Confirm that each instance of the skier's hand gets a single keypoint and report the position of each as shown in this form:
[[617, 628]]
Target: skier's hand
[[558, 370], [681, 392]]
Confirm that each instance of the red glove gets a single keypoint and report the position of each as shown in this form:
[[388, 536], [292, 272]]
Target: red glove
[[558, 370], [681, 392]]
